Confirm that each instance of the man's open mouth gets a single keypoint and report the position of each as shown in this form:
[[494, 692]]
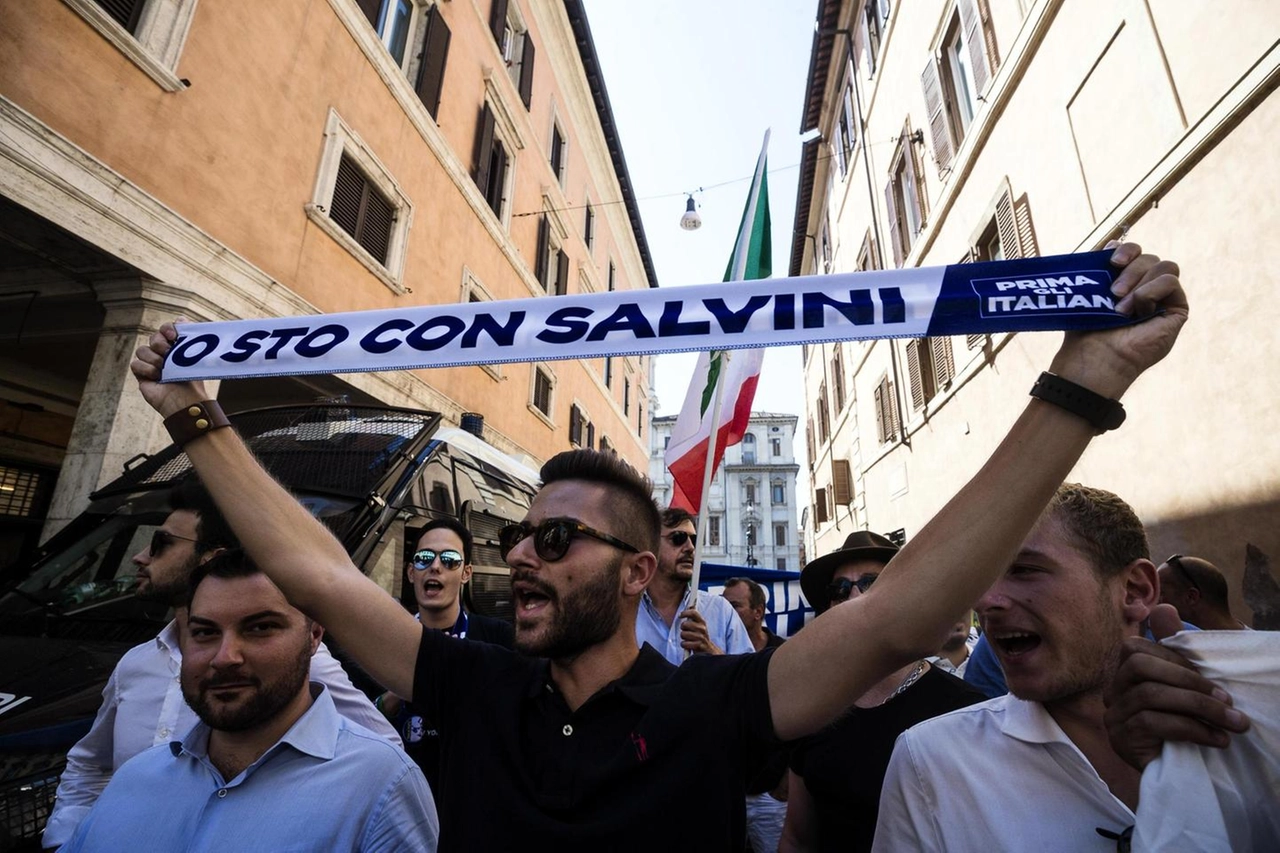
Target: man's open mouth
[[1012, 644]]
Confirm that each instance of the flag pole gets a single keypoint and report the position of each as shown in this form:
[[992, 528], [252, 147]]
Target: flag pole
[[741, 250]]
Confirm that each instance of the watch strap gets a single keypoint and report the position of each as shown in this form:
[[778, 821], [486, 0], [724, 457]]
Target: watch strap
[[191, 422], [1103, 412]]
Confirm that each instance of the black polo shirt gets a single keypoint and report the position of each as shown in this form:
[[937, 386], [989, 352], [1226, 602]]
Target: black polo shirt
[[658, 758]]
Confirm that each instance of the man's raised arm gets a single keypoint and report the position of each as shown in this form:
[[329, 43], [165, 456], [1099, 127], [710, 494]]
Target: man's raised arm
[[294, 549], [945, 568]]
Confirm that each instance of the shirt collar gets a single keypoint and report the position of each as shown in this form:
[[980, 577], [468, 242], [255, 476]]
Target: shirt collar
[[641, 683], [315, 733], [167, 640], [1030, 722]]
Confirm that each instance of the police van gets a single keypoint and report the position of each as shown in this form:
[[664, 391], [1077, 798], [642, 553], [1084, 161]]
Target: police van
[[371, 474]]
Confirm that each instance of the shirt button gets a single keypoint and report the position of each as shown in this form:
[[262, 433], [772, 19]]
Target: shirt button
[[164, 731], [222, 792], [568, 730]]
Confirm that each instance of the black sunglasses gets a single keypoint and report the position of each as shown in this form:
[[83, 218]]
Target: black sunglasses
[[162, 539], [552, 538], [422, 560], [1176, 562], [679, 537], [841, 588]]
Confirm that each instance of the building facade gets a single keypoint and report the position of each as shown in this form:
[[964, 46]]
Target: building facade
[[231, 160], [951, 130], [752, 511]]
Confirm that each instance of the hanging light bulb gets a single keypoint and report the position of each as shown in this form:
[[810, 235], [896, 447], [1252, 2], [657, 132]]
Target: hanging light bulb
[[691, 221]]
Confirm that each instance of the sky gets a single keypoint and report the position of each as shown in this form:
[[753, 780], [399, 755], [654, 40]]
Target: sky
[[694, 84]]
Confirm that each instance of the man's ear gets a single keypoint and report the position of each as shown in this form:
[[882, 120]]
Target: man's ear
[[317, 634], [1141, 590], [466, 573], [638, 571], [206, 556]]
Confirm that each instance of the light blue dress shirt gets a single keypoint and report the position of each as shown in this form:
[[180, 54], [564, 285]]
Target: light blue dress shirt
[[724, 627], [328, 784]]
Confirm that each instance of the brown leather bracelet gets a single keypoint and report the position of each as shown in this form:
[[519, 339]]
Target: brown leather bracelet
[[191, 422]]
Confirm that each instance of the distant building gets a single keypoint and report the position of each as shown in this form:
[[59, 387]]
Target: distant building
[[752, 511], [234, 160], [986, 129]]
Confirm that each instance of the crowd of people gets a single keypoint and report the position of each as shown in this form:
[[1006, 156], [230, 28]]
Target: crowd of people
[[626, 709]]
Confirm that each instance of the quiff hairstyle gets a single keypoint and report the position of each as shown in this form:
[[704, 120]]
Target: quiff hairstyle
[[212, 529], [633, 516], [453, 525], [1105, 526]]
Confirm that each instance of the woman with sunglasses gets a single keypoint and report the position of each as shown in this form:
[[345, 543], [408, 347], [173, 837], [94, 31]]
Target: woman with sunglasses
[[836, 775], [436, 571]]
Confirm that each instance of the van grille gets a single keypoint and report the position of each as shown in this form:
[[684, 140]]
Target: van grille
[[26, 797], [332, 448]]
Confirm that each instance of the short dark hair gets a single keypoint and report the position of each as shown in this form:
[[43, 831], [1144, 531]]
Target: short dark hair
[[755, 592], [1208, 579], [451, 524], [231, 563], [212, 529], [635, 516], [1105, 525], [674, 516]]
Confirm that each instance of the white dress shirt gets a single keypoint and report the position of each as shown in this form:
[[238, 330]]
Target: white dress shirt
[[142, 706], [1000, 775]]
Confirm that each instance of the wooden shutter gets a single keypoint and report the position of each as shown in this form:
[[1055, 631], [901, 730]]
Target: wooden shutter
[[891, 208], [842, 481], [497, 177], [975, 38], [562, 273], [891, 401], [975, 341], [498, 20], [1007, 227], [915, 375], [989, 35], [575, 425], [936, 108], [880, 414], [1026, 230], [591, 435], [127, 13], [371, 9], [820, 506], [526, 70], [361, 211], [435, 50], [484, 148], [543, 253], [944, 363]]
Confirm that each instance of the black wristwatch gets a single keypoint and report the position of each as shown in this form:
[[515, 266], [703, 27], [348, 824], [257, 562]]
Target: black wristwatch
[[1103, 412]]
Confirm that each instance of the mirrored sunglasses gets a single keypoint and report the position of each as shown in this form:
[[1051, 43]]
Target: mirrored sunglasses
[[422, 560], [841, 588]]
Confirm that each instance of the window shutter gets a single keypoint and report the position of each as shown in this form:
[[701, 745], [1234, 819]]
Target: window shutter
[[842, 481], [880, 418], [892, 402], [914, 374], [820, 506], [1026, 230], [127, 13], [361, 211], [526, 71], [498, 20], [935, 108], [575, 425], [916, 165], [989, 35], [497, 177], [484, 148], [543, 256], [975, 341], [591, 435], [892, 209], [944, 363], [1007, 226], [562, 273], [371, 8], [975, 38], [435, 51]]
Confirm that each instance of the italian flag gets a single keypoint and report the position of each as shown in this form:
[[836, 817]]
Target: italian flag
[[733, 377]]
